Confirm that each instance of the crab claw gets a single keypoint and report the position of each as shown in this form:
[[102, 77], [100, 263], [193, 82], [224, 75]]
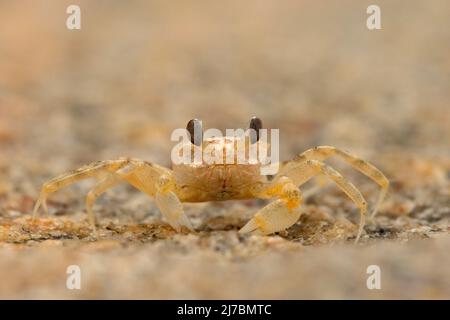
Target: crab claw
[[182, 222], [251, 227], [172, 210], [276, 216]]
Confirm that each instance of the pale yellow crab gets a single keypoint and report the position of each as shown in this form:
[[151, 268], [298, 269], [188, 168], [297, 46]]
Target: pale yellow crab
[[216, 182]]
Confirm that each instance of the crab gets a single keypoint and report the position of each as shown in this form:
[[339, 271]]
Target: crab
[[200, 182]]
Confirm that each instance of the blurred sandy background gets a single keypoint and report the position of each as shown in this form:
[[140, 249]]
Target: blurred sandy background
[[139, 69]]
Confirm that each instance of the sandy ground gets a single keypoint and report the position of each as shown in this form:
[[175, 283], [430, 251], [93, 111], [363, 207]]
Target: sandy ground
[[134, 72]]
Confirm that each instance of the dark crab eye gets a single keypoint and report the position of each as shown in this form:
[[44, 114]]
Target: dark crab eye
[[195, 129], [256, 125]]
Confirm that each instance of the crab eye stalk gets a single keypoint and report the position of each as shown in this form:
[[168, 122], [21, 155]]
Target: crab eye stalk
[[256, 125], [195, 129]]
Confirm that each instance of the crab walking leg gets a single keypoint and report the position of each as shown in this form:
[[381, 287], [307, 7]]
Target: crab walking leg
[[277, 215], [108, 182], [324, 152], [144, 176], [311, 168], [97, 169]]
